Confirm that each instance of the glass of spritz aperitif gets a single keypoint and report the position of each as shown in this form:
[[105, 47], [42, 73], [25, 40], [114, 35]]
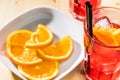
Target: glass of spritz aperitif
[[77, 7], [102, 51]]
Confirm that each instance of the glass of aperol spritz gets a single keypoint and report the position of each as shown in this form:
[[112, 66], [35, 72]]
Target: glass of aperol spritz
[[102, 51], [77, 7]]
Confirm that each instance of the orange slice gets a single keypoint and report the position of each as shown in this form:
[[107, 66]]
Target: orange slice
[[117, 35], [108, 36], [42, 37], [18, 37], [46, 70], [23, 56], [59, 51], [16, 51]]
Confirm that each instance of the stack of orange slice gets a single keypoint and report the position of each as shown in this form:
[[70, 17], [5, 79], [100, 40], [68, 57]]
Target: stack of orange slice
[[34, 54], [16, 51]]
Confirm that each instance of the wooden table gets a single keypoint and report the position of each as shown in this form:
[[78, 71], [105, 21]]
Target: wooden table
[[11, 8]]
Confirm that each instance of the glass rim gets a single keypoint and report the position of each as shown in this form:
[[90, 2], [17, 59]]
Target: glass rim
[[104, 7], [92, 38]]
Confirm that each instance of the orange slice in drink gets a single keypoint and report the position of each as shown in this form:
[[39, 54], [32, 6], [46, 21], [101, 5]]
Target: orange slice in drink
[[108, 36], [46, 70], [117, 35], [41, 37], [59, 51], [15, 48]]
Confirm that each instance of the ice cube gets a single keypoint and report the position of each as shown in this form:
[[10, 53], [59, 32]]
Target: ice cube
[[103, 22], [117, 67], [116, 73]]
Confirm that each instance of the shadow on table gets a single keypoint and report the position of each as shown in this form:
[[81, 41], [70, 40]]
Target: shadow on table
[[16, 77]]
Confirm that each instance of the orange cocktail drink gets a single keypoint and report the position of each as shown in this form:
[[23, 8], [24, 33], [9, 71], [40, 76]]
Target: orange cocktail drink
[[102, 51]]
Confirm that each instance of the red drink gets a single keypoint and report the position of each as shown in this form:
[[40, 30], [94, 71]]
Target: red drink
[[77, 7], [102, 57], [104, 63]]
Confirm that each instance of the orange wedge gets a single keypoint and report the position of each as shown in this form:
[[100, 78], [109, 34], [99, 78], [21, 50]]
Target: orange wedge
[[108, 36], [15, 48], [117, 35], [18, 37], [46, 70], [41, 37], [23, 56], [60, 51]]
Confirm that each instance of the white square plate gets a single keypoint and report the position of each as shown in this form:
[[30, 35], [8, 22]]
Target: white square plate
[[59, 24]]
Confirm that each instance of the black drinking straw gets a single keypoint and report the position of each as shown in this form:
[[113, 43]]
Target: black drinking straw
[[89, 29], [89, 18]]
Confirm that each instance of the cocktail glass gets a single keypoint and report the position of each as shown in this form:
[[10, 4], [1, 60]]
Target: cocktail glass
[[77, 7], [102, 51]]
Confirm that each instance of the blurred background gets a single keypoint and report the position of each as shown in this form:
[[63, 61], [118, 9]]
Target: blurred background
[[11, 8]]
